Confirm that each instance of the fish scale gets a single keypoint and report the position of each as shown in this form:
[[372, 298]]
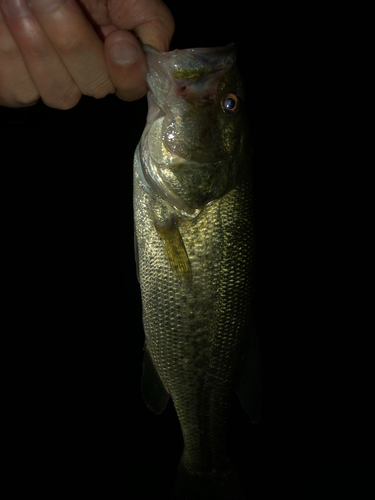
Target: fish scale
[[189, 334], [196, 311]]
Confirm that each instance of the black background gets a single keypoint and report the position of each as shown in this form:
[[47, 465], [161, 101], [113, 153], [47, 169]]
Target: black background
[[76, 362]]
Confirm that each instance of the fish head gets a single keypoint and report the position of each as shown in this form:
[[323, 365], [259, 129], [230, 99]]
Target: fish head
[[196, 124]]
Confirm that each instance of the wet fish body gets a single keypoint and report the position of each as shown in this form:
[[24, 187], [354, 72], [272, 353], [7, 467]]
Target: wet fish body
[[195, 248]]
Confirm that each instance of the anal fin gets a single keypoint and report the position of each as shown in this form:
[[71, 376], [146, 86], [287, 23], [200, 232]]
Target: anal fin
[[249, 383], [153, 391]]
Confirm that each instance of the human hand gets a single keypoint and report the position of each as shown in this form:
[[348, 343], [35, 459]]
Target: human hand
[[58, 50]]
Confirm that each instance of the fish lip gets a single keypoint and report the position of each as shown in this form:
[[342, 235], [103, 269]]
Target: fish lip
[[169, 70], [212, 59], [200, 52]]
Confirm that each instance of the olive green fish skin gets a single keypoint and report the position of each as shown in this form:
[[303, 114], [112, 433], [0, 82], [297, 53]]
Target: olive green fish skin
[[196, 324]]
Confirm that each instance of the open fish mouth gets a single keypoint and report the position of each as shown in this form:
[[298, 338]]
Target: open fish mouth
[[185, 87], [189, 73], [189, 142]]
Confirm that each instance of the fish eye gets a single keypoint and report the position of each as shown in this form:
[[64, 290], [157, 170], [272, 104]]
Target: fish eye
[[230, 103]]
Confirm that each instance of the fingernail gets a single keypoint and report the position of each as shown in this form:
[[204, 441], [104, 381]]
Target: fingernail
[[44, 6], [124, 54], [17, 8]]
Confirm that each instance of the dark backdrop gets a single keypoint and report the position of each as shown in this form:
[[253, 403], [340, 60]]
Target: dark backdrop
[[76, 361], [65, 213]]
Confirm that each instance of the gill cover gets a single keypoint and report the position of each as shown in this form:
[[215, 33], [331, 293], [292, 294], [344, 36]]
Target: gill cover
[[191, 138]]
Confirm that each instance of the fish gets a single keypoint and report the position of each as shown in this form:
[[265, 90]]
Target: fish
[[195, 254]]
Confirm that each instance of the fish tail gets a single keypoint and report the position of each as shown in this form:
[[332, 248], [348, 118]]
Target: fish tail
[[213, 486]]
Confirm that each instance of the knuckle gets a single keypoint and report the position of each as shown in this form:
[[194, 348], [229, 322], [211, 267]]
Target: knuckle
[[8, 49], [16, 87], [37, 51], [8, 46], [18, 96], [12, 101], [65, 99], [100, 89], [28, 99], [69, 46], [68, 103]]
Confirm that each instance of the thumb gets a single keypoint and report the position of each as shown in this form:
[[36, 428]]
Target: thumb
[[126, 64]]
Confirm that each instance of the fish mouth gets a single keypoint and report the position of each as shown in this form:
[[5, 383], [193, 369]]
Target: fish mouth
[[189, 73], [181, 85], [183, 153]]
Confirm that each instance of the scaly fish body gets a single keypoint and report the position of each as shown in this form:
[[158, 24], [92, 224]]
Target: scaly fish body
[[195, 246]]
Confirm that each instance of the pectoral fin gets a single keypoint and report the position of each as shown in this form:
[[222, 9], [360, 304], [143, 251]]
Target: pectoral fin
[[174, 248], [153, 392]]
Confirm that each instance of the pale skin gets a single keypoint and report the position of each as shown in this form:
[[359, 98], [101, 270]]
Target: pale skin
[[59, 50]]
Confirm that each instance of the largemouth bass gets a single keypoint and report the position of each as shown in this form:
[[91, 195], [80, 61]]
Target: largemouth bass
[[195, 253]]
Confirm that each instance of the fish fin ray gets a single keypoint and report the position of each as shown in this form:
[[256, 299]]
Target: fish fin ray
[[174, 248], [249, 382], [153, 391]]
